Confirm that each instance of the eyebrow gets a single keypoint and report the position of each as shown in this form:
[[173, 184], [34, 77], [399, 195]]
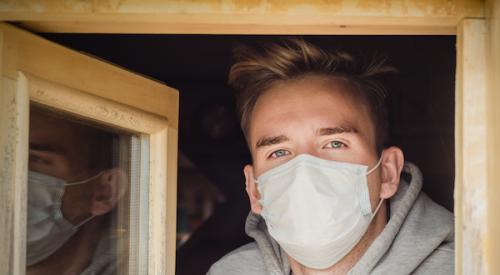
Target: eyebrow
[[272, 140], [266, 141], [45, 147], [336, 130]]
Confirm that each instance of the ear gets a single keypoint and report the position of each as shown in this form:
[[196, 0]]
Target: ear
[[251, 188], [392, 165], [108, 189]]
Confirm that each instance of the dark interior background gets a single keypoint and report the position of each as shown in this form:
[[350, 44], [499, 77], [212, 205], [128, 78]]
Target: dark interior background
[[420, 103]]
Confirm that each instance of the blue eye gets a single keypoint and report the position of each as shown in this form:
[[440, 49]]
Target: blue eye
[[279, 153], [335, 144]]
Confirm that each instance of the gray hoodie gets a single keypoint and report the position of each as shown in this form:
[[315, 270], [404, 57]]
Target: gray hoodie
[[107, 258], [418, 239]]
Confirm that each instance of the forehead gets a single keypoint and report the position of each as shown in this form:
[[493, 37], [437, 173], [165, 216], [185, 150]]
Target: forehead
[[308, 102], [54, 134], [51, 129]]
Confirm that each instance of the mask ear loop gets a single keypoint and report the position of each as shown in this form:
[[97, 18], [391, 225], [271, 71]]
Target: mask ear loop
[[375, 167], [378, 207], [367, 173], [84, 221], [84, 181]]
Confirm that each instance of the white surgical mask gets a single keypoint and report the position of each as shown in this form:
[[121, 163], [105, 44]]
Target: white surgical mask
[[316, 209], [47, 229]]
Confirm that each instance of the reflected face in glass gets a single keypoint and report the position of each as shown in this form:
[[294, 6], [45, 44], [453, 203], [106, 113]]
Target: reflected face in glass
[[59, 148], [72, 184], [56, 149]]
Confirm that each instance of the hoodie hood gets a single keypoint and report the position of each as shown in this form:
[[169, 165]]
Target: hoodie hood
[[417, 229]]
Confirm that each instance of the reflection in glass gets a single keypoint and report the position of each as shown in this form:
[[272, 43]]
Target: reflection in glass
[[197, 197], [78, 197]]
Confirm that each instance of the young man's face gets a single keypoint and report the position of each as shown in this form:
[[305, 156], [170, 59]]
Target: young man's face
[[54, 151], [59, 148], [62, 149], [311, 115], [55, 148]]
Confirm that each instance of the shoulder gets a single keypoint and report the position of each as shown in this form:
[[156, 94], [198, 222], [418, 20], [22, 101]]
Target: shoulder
[[423, 241], [429, 230], [246, 259], [430, 219], [440, 261]]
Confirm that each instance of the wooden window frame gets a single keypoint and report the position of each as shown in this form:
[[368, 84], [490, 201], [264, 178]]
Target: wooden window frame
[[30, 72], [473, 22]]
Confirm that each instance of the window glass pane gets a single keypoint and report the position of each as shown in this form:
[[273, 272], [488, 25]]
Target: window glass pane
[[80, 180]]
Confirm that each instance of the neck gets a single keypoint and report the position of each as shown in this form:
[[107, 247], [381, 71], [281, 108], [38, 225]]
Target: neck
[[348, 261]]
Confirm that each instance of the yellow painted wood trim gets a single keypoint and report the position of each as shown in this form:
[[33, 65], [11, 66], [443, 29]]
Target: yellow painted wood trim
[[41, 9], [94, 108], [493, 137], [471, 149], [39, 57], [14, 121], [163, 198], [243, 17], [171, 228], [341, 26]]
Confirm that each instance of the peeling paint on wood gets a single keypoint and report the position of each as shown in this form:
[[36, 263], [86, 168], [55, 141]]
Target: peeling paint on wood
[[333, 7], [245, 16], [13, 171]]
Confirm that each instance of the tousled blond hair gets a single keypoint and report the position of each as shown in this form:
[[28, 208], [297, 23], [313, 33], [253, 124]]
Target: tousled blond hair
[[259, 67]]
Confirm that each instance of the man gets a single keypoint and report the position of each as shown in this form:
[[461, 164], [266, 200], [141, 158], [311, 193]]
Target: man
[[72, 188], [326, 197]]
